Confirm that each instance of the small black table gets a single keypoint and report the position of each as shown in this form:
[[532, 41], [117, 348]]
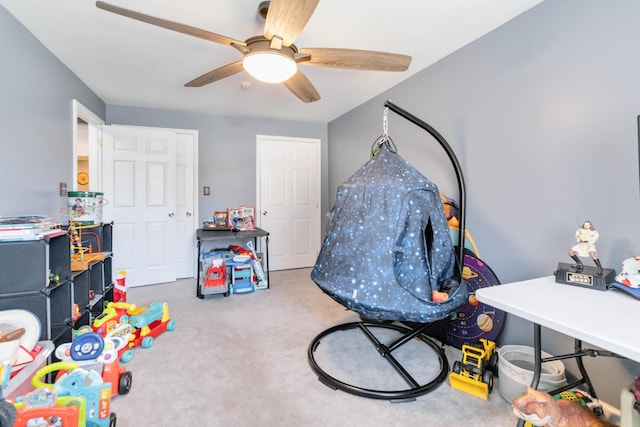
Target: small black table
[[213, 234]]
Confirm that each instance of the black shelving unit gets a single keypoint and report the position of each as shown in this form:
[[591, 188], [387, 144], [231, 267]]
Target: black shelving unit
[[36, 275]]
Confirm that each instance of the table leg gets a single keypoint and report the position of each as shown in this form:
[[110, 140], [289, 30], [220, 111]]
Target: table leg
[[266, 240], [198, 267], [585, 377], [537, 354], [537, 361]]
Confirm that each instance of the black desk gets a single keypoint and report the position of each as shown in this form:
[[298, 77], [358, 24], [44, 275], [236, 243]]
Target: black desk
[[213, 234]]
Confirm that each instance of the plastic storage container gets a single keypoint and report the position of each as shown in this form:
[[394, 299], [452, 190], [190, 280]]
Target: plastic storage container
[[515, 371], [86, 206], [20, 384]]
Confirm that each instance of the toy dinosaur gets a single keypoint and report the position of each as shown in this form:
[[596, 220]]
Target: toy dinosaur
[[540, 409]]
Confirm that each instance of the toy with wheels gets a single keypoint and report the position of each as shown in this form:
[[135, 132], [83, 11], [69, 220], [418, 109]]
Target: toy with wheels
[[83, 383], [109, 319], [114, 323], [120, 337], [91, 351], [215, 281], [7, 414], [7, 410], [149, 323], [43, 407], [474, 375]]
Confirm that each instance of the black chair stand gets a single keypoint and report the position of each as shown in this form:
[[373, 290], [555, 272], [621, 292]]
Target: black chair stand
[[407, 334]]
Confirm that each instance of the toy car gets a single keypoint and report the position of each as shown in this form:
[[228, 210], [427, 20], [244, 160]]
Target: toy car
[[113, 323], [149, 323], [474, 375], [91, 351]]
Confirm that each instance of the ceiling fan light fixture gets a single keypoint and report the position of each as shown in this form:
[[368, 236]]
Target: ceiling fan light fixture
[[269, 66]]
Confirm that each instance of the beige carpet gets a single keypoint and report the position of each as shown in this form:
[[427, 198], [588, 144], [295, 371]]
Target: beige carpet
[[242, 361]]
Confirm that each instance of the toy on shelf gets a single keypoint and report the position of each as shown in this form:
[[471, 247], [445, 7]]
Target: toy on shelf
[[82, 250], [241, 218], [83, 384], [19, 332], [474, 375], [586, 238], [218, 221], [91, 351], [81, 253], [148, 323], [120, 287], [578, 274]]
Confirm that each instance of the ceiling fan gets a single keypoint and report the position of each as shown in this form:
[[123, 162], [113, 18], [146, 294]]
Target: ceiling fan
[[272, 57]]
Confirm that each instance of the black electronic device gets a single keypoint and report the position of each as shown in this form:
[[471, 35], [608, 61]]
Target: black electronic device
[[586, 277]]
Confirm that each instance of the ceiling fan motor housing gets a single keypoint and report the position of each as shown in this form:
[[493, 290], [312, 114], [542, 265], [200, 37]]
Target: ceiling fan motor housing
[[263, 8]]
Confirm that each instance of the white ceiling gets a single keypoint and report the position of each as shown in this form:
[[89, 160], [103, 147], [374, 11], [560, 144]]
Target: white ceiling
[[127, 62]]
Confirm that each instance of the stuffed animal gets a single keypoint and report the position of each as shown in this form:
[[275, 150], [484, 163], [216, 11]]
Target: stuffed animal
[[540, 409]]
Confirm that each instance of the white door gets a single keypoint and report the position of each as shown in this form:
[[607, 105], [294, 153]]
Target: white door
[[140, 185], [288, 205]]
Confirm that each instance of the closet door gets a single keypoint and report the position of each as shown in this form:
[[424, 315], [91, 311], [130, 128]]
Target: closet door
[[140, 189], [288, 191]]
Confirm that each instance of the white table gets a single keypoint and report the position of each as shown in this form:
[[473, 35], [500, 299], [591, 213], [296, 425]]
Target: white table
[[607, 319]]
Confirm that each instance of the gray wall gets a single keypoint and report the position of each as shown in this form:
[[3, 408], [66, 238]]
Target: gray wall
[[227, 150], [542, 115], [541, 112], [36, 131]]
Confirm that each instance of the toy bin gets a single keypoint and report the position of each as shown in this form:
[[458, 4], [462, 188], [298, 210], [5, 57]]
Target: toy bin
[[515, 371], [20, 384]]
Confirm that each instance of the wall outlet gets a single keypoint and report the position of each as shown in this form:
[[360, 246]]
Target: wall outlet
[[63, 189]]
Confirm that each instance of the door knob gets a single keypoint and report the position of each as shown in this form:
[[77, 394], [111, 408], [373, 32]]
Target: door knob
[[170, 214], [264, 213], [188, 213]]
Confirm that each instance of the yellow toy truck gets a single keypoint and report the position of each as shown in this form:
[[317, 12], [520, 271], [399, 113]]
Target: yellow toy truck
[[474, 375]]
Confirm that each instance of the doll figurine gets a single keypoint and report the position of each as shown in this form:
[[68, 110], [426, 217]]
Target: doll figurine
[[587, 236]]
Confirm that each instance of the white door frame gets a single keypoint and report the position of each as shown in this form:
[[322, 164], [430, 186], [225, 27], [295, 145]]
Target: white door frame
[[95, 145]]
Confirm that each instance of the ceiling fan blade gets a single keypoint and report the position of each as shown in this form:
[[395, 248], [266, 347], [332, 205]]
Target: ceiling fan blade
[[175, 26], [301, 87], [356, 59], [217, 74], [287, 18]]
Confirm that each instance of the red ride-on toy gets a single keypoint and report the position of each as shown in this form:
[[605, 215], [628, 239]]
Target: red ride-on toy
[[149, 323]]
